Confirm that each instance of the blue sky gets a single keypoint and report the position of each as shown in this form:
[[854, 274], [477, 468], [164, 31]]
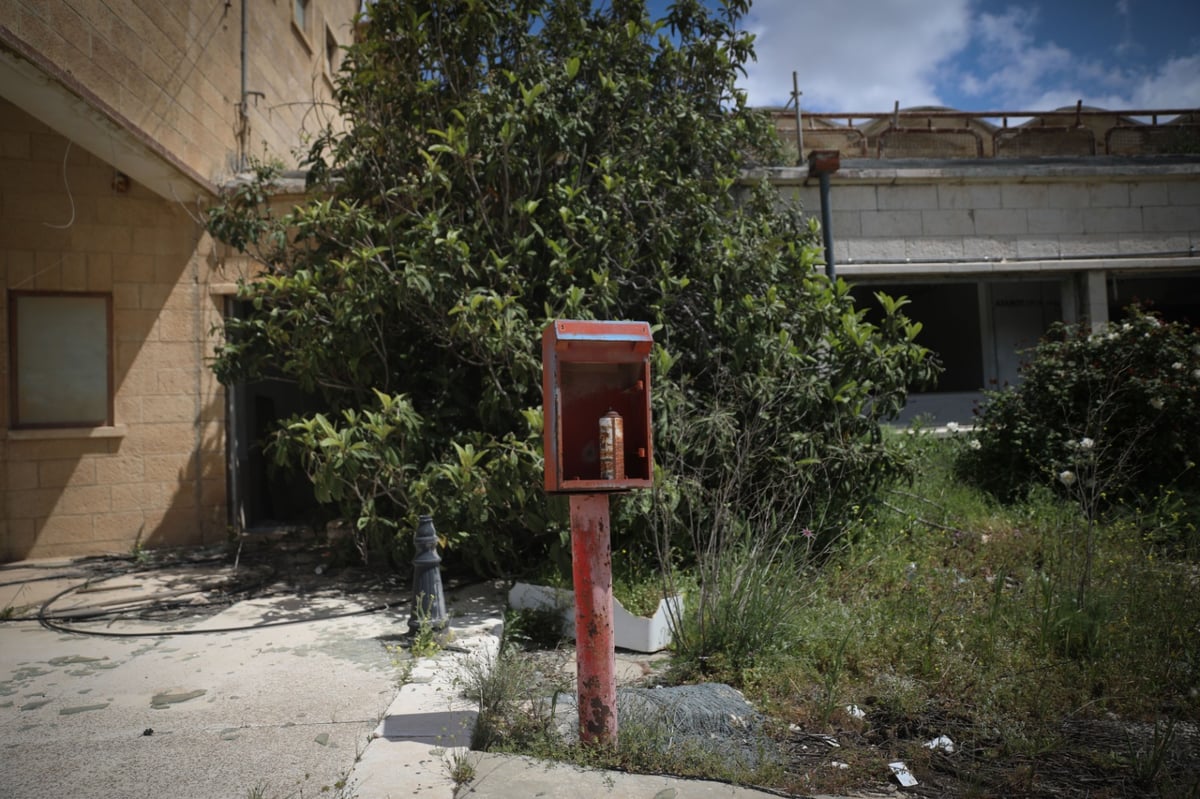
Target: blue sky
[[976, 55]]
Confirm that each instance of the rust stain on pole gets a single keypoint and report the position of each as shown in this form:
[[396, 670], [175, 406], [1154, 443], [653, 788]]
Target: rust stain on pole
[[595, 655]]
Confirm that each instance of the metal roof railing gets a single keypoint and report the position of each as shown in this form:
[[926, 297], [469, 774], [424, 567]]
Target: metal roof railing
[[950, 133]]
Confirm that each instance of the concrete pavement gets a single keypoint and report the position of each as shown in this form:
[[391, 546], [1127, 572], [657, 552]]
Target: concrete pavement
[[508, 776], [296, 689], [128, 711]]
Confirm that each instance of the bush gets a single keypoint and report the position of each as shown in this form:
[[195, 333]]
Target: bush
[[511, 163], [1113, 412]]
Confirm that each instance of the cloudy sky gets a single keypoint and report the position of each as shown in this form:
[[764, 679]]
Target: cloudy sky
[[978, 55]]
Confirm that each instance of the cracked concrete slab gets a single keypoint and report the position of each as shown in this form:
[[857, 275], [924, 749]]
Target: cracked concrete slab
[[285, 710], [305, 708]]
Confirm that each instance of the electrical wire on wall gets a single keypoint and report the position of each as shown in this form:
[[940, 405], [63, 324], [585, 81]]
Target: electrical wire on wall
[[69, 223], [70, 196]]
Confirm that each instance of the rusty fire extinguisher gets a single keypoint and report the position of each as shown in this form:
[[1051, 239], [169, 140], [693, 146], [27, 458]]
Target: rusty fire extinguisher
[[612, 446]]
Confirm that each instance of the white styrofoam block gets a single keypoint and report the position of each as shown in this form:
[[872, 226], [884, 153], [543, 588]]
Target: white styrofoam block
[[635, 633]]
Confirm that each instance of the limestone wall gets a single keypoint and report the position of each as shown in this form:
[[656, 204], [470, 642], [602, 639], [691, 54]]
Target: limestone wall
[[892, 218], [156, 476], [173, 68]]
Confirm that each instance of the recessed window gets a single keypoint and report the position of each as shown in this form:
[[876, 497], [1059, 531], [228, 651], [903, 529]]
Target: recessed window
[[60, 359], [333, 54], [301, 20], [300, 14]]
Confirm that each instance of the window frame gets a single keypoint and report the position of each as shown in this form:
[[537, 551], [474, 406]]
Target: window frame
[[302, 22], [333, 54], [14, 363]]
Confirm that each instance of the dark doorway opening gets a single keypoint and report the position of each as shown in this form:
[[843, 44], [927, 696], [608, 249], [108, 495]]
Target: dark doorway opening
[[1174, 297], [949, 317], [263, 495]]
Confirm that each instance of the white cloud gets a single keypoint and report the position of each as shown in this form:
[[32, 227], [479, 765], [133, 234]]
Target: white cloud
[[1016, 68], [1176, 84], [856, 55], [1128, 45], [864, 55], [1021, 70]]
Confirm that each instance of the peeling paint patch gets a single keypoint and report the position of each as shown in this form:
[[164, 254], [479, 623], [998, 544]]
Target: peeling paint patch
[[165, 699], [71, 711], [65, 660]]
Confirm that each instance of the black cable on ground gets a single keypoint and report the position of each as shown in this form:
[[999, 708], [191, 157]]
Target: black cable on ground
[[47, 620], [56, 623], [244, 587], [100, 576], [88, 580], [73, 562], [42, 579]]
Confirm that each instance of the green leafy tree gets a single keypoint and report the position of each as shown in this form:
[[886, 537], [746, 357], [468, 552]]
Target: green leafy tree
[[510, 162]]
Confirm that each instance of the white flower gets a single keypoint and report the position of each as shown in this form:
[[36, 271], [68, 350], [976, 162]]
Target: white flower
[[1177, 365], [1066, 477], [1156, 403], [1086, 443], [1196, 373], [975, 444], [952, 427], [1127, 326]]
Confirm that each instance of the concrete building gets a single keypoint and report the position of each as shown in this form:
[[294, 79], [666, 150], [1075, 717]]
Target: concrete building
[[119, 121], [994, 230]]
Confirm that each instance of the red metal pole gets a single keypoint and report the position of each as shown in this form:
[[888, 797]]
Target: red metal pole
[[595, 654]]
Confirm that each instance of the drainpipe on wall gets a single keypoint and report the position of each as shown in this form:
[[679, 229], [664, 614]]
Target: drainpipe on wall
[[822, 164], [799, 127], [243, 124]]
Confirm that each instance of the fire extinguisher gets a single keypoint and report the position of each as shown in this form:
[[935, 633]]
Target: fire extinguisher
[[612, 446]]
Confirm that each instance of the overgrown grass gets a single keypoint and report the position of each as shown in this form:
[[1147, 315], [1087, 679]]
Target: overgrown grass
[[527, 708], [946, 613], [950, 614]]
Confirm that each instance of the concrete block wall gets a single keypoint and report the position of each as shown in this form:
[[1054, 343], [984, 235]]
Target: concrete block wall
[[173, 68], [157, 476], [891, 222]]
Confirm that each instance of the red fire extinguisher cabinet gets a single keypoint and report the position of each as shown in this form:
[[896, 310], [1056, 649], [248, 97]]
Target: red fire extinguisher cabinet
[[589, 370]]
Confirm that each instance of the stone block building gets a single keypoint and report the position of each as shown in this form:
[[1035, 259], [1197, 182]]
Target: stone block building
[[119, 121], [994, 230]]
